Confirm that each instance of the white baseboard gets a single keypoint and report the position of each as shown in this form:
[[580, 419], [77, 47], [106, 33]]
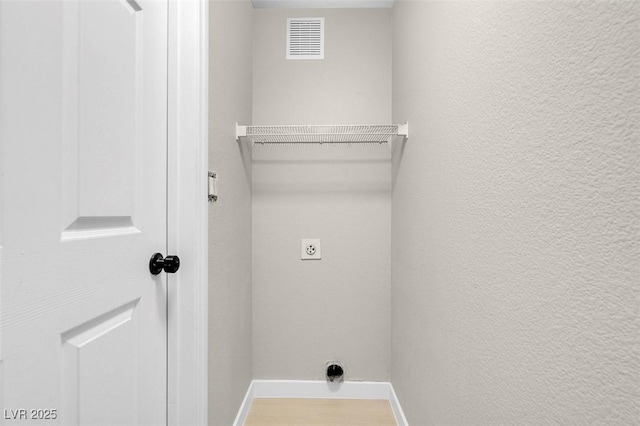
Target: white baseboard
[[244, 407], [396, 407], [319, 389]]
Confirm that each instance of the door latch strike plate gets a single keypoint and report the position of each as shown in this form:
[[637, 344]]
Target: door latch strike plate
[[213, 186]]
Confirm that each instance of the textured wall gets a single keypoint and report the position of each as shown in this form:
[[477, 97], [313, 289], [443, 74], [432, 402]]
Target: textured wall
[[230, 369], [308, 312], [515, 220]]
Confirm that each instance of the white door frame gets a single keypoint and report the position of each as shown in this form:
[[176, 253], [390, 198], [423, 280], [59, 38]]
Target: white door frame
[[187, 211]]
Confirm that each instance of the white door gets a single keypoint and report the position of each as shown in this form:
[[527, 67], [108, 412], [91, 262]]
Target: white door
[[83, 150]]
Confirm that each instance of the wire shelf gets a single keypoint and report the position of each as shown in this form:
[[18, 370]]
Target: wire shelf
[[321, 134]]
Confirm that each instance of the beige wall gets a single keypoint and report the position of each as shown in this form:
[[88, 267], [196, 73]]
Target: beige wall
[[352, 85], [308, 312], [230, 367], [515, 251]]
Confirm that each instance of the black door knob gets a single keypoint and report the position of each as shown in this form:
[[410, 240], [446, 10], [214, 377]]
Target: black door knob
[[169, 264]]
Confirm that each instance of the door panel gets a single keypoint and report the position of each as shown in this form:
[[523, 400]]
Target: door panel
[[83, 139], [102, 107], [103, 52], [92, 372]]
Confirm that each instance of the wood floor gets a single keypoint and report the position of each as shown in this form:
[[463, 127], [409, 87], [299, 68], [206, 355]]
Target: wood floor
[[320, 412]]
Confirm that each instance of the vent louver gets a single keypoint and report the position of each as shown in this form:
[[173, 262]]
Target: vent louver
[[305, 38]]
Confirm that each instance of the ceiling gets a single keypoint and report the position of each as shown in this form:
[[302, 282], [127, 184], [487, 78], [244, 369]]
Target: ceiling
[[319, 4]]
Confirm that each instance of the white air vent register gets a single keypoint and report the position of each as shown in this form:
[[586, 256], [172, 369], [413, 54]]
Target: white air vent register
[[305, 38]]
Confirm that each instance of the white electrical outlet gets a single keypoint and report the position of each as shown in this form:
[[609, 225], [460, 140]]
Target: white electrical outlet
[[310, 249]]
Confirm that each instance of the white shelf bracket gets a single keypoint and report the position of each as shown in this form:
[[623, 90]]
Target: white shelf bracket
[[241, 131], [403, 130]]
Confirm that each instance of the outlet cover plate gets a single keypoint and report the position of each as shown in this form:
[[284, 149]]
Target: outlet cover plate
[[310, 249]]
